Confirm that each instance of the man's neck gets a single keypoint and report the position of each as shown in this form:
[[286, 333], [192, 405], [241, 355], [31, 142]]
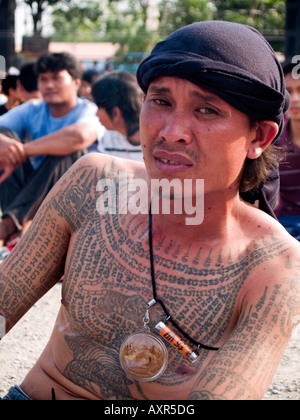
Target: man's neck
[[31, 96], [11, 103], [218, 216], [135, 139], [60, 110]]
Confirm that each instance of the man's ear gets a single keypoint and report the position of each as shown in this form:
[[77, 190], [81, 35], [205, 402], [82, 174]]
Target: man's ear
[[266, 131], [116, 114], [77, 83]]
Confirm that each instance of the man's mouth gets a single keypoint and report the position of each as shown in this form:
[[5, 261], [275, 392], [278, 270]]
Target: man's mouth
[[294, 109], [172, 161]]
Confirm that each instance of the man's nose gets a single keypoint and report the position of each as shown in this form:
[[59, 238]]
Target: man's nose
[[295, 96], [176, 129], [49, 83]]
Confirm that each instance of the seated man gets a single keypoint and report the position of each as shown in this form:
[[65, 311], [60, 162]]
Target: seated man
[[40, 140], [225, 291], [119, 100]]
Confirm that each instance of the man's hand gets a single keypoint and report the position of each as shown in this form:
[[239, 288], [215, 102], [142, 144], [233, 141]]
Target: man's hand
[[12, 155]]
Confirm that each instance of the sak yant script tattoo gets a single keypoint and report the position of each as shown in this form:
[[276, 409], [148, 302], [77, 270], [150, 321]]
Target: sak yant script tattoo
[[26, 275], [108, 284]]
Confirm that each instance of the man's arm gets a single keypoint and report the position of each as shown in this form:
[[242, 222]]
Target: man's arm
[[12, 155], [63, 142], [66, 141], [37, 262], [245, 365]]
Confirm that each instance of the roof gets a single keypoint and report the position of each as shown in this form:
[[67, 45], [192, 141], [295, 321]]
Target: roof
[[86, 51]]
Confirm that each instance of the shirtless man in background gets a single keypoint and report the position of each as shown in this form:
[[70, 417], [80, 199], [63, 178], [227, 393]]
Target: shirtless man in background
[[231, 282]]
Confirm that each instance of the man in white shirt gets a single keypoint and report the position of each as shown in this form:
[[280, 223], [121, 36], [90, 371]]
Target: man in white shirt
[[119, 101]]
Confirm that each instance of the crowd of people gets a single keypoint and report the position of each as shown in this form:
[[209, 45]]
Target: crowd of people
[[49, 121], [153, 308], [118, 99]]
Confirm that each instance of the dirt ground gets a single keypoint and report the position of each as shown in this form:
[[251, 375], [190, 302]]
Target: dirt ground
[[22, 346]]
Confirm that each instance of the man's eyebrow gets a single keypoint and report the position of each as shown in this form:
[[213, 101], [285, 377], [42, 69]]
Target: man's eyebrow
[[206, 96], [157, 89]]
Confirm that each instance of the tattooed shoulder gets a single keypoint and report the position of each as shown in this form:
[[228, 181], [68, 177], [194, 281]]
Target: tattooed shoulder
[[75, 200]]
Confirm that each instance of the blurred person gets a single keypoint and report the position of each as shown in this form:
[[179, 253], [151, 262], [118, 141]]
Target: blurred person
[[28, 83], [41, 139], [229, 287], [3, 98], [88, 79], [11, 90], [288, 208], [119, 100]]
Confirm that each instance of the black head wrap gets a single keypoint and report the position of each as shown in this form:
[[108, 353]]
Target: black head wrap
[[232, 60]]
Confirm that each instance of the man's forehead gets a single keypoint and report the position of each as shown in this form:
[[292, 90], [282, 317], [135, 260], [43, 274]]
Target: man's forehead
[[50, 73], [169, 84]]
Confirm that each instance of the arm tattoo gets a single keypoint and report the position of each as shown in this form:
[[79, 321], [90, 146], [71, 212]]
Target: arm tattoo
[[247, 362]]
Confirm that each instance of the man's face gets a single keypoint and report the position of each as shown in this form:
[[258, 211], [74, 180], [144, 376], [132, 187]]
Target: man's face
[[190, 133], [293, 87], [86, 90], [58, 88], [105, 119]]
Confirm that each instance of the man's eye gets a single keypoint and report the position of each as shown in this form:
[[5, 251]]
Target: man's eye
[[161, 102], [207, 111]]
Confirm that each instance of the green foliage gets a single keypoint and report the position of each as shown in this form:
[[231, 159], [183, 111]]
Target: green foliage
[[175, 14], [78, 21], [38, 7], [262, 14], [125, 21]]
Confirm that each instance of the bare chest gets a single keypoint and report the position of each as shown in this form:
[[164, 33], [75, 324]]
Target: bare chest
[[107, 287], [108, 283]]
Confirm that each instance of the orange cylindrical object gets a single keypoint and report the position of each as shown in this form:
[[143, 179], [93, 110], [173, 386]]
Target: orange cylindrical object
[[176, 341]]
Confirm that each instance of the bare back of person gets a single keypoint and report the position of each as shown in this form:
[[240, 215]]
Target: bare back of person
[[207, 285]]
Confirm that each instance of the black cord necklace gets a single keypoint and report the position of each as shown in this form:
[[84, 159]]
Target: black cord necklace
[[143, 355], [167, 313]]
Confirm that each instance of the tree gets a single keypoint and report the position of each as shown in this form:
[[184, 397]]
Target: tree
[[117, 21], [127, 21], [78, 20], [268, 16], [38, 7], [178, 13], [126, 24], [262, 14]]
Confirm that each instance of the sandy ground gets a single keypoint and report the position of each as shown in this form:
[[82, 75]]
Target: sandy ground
[[22, 346]]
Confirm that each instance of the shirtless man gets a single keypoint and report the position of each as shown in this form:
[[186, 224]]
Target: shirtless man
[[231, 282]]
